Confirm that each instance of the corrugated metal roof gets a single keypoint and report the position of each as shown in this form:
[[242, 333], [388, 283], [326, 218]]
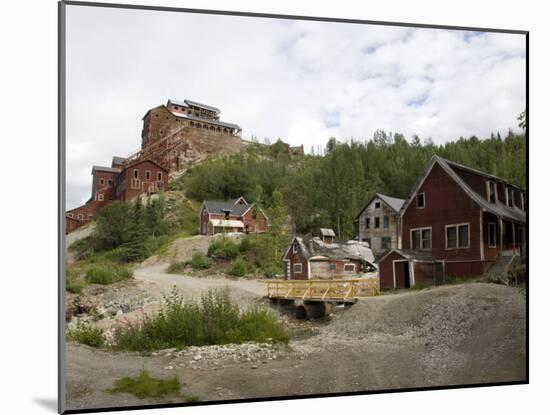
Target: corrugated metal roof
[[337, 250], [180, 103], [327, 232]]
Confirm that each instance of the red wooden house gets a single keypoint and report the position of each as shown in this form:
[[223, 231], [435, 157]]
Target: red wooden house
[[457, 221], [323, 257], [231, 216]]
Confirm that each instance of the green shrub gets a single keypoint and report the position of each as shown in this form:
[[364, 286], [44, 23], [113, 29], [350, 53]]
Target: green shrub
[[106, 273], [199, 262], [73, 281], [212, 320], [87, 334], [223, 248], [145, 386], [238, 267], [271, 271], [246, 245]]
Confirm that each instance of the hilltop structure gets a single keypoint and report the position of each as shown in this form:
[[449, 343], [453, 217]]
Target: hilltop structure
[[174, 136]]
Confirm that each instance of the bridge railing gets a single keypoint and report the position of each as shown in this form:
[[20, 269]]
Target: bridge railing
[[333, 289]]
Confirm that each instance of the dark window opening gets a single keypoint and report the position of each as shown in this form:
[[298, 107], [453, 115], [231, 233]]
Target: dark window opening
[[367, 223], [377, 222], [386, 243], [492, 235], [377, 205], [420, 200], [386, 221]]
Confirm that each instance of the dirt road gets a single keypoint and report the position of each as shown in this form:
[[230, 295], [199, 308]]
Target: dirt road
[[471, 333]]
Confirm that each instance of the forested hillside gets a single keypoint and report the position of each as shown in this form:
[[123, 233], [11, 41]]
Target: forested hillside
[[329, 190]]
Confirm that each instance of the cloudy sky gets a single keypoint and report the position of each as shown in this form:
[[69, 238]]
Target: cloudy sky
[[301, 81]]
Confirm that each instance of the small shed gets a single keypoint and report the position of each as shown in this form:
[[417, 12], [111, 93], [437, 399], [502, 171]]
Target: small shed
[[403, 268]]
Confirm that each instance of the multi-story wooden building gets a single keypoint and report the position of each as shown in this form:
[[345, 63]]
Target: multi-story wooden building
[[322, 257], [171, 134], [457, 221], [117, 183], [379, 223], [231, 216]]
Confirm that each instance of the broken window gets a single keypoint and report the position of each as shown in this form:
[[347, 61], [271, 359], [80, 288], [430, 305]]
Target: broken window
[[377, 222], [349, 267], [386, 243], [420, 200], [377, 205], [492, 235]]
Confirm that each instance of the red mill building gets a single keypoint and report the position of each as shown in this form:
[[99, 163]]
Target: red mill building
[[173, 136]]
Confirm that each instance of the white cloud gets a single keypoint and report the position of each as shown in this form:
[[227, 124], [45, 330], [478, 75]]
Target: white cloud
[[300, 81]]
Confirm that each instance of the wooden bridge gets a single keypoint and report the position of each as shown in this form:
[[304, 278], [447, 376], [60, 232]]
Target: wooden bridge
[[333, 290]]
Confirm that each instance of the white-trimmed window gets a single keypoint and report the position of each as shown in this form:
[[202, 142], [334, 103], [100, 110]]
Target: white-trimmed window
[[70, 215], [102, 181], [100, 196], [110, 182], [294, 248], [421, 238], [134, 184], [457, 236], [136, 174], [80, 216], [147, 175], [421, 200], [492, 235], [297, 268], [349, 268], [159, 176]]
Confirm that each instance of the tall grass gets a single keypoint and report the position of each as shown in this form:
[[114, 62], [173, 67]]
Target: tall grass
[[145, 386], [212, 320], [87, 334]]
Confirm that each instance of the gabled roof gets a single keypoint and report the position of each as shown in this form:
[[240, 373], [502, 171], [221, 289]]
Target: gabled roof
[[409, 254], [498, 209], [140, 161], [214, 206], [315, 247], [105, 169], [393, 203]]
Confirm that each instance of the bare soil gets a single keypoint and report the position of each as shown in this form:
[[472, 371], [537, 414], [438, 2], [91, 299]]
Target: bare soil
[[450, 335]]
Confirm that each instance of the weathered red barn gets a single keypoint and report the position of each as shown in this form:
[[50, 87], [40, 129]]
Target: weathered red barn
[[457, 221], [231, 216], [325, 258]]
